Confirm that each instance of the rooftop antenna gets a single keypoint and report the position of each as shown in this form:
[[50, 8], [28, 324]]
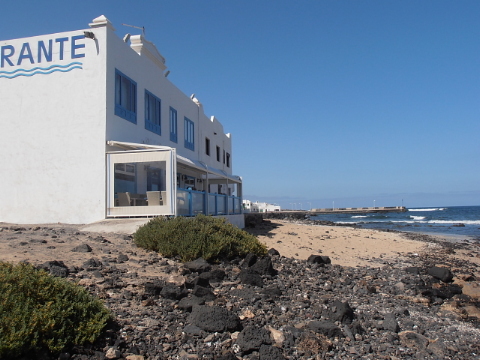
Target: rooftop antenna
[[137, 27]]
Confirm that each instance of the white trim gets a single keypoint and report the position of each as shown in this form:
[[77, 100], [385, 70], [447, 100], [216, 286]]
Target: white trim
[[167, 155], [199, 165]]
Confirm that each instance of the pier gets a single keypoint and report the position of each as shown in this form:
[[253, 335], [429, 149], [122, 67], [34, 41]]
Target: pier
[[362, 210]]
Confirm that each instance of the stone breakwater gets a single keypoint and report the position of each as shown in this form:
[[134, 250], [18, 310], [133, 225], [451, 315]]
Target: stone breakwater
[[260, 308]]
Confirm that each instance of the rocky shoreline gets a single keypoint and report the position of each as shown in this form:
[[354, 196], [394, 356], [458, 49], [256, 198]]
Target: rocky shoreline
[[269, 308]]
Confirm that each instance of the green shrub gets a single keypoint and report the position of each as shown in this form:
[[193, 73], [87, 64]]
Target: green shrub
[[39, 312], [202, 236]]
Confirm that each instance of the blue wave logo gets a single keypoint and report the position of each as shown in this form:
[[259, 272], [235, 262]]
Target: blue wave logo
[[40, 70]]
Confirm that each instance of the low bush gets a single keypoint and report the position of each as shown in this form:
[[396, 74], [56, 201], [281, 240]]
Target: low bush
[[202, 236], [42, 313]]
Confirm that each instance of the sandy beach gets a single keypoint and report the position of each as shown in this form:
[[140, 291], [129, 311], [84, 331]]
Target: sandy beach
[[345, 246]]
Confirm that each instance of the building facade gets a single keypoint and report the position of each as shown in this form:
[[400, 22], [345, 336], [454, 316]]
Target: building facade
[[250, 206], [94, 129]]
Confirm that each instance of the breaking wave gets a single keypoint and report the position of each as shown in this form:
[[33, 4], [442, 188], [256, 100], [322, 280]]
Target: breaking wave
[[430, 209], [418, 217]]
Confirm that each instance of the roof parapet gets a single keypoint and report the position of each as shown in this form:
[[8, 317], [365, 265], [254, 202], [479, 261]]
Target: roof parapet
[[143, 47], [101, 21]]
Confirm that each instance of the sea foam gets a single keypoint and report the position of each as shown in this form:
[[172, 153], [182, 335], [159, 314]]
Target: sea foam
[[430, 209]]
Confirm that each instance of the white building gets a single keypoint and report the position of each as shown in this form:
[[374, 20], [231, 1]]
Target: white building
[[250, 206], [92, 128]]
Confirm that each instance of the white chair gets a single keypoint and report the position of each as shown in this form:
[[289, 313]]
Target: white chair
[[124, 199], [153, 198]]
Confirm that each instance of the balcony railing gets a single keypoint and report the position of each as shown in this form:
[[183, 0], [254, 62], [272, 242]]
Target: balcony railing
[[192, 202]]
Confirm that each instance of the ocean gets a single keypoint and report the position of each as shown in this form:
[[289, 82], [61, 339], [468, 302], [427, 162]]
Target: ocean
[[454, 221]]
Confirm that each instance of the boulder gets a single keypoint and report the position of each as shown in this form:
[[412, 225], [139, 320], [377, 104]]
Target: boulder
[[249, 260], [251, 338], [411, 339], [172, 292], [204, 293], [319, 259], [92, 263], [264, 266], [188, 303], [55, 268], [250, 277], [272, 292], [269, 352], [82, 248], [122, 258], [153, 288], [273, 252], [326, 328], [413, 270], [341, 312], [441, 273], [199, 265], [213, 276], [390, 323], [214, 319]]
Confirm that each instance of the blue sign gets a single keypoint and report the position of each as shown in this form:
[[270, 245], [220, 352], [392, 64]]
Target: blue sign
[[46, 52]]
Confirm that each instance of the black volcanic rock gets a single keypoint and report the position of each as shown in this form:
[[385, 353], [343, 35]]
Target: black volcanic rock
[[204, 293], [326, 328], [441, 273], [199, 265], [172, 291], [213, 276], [82, 248], [251, 338], [264, 266], [214, 319], [250, 277], [319, 259], [56, 268], [341, 312], [153, 288], [268, 352]]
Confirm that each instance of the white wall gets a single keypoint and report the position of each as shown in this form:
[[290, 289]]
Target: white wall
[[53, 133], [55, 125], [148, 75]]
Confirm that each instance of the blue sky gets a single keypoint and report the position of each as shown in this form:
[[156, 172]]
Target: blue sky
[[327, 101]]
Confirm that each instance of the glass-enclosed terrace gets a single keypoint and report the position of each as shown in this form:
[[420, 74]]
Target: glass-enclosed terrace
[[152, 181]]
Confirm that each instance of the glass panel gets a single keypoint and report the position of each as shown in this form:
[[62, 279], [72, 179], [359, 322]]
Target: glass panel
[[118, 89], [221, 204], [182, 202], [197, 202], [173, 125], [133, 180], [211, 204], [237, 206], [125, 94]]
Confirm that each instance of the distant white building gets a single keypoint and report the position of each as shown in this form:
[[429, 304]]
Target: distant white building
[[249, 206], [92, 128]]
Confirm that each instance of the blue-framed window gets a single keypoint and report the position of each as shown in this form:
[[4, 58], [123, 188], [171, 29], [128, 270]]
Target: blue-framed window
[[152, 113], [173, 125], [189, 134], [125, 97], [207, 146]]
